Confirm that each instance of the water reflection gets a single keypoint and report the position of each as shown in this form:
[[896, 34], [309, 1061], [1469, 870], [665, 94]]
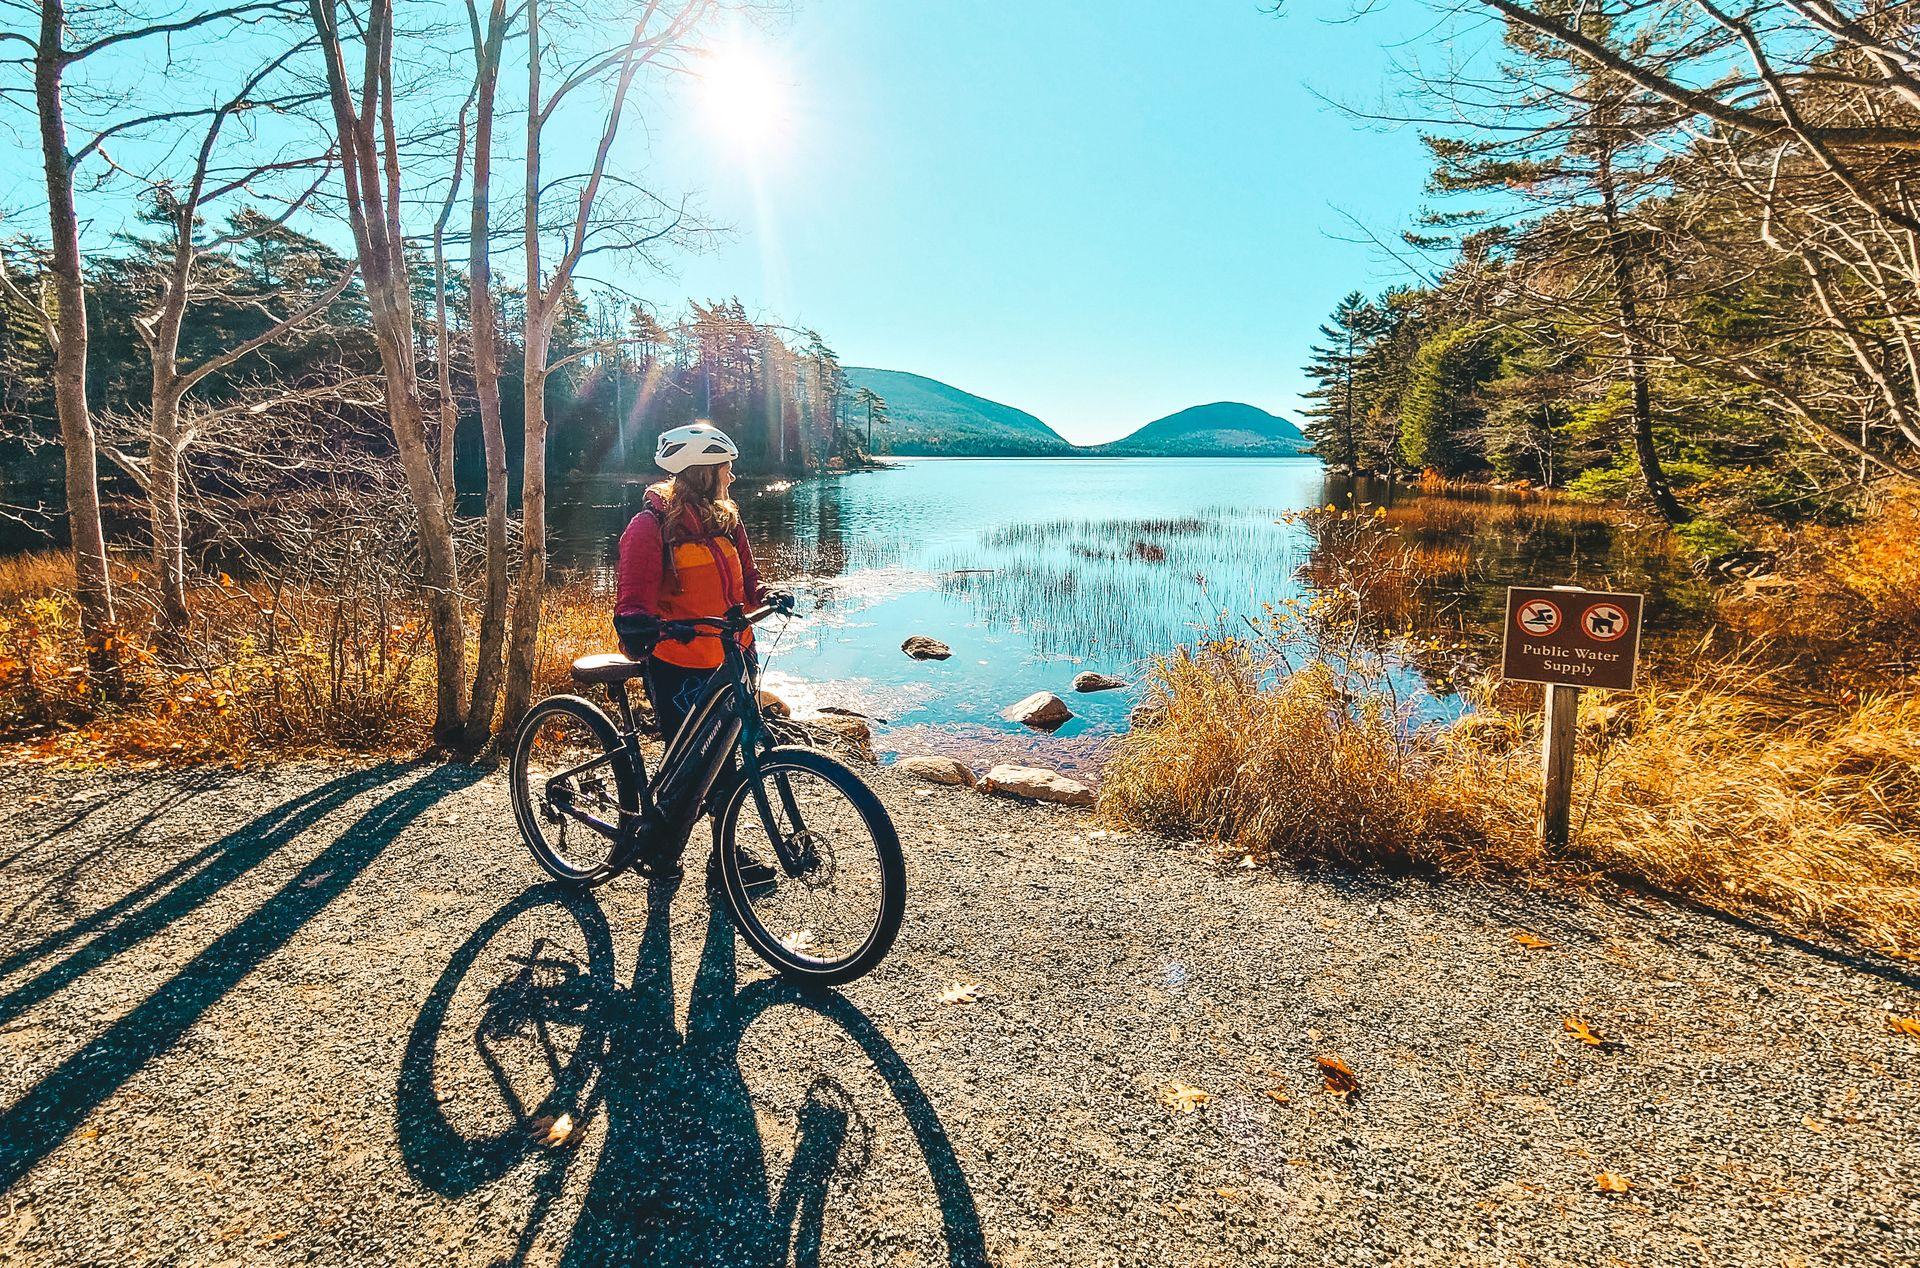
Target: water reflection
[[1034, 569]]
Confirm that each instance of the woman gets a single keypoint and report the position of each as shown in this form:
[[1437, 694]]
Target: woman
[[684, 555]]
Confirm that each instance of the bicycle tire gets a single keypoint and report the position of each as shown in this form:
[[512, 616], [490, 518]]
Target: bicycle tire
[[551, 861], [884, 838]]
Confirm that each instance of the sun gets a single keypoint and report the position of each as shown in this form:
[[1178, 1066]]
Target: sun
[[742, 96]]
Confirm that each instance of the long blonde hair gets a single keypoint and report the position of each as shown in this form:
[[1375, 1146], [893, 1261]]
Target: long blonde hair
[[697, 489]]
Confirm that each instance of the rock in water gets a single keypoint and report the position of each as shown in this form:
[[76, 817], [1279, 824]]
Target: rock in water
[[920, 647], [1036, 783], [1042, 710], [850, 733], [937, 770], [1090, 681]]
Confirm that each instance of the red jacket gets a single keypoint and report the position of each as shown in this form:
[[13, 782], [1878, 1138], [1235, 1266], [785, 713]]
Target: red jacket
[[712, 574]]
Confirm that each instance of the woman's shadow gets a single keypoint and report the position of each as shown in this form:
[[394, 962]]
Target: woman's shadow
[[682, 1177]]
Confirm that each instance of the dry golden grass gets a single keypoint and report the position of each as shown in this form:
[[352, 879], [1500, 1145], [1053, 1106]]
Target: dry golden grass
[[1289, 769], [1706, 790], [272, 672]]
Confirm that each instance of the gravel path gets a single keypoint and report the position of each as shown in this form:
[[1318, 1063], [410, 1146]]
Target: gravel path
[[325, 1014]]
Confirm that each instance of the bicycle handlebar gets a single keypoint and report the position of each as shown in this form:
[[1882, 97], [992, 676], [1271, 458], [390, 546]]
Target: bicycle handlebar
[[737, 619]]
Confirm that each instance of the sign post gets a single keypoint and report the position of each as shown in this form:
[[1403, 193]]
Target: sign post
[[1567, 638]]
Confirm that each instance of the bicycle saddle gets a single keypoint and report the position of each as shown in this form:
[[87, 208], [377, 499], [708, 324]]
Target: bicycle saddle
[[605, 667]]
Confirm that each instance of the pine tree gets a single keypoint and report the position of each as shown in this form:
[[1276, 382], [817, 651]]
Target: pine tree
[[1334, 420]]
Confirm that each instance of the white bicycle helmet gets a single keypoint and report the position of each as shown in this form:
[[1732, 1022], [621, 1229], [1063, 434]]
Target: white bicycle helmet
[[695, 445]]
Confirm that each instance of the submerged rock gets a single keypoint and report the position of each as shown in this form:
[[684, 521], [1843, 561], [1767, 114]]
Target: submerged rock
[[1036, 783], [937, 770], [920, 647], [1042, 710], [1090, 681]]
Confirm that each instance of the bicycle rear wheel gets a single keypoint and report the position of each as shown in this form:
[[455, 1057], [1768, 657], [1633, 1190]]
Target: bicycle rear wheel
[[834, 914], [568, 762]]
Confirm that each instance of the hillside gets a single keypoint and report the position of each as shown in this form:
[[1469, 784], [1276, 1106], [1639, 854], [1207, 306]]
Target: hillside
[[1222, 429], [931, 417]]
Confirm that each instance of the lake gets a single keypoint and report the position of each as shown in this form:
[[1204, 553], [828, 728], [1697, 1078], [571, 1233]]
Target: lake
[[1035, 569]]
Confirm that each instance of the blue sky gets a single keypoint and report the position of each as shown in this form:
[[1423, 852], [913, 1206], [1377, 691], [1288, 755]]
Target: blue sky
[[1100, 215]]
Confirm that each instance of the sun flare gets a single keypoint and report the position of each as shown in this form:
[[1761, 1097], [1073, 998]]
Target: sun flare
[[743, 97]]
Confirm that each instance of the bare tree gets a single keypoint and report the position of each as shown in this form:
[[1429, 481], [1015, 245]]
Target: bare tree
[[369, 155], [483, 329], [182, 282], [66, 37], [659, 30]]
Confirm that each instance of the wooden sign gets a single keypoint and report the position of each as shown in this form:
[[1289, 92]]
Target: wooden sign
[[1566, 637]]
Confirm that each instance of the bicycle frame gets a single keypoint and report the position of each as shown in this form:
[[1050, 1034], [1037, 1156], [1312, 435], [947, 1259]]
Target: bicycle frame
[[725, 722]]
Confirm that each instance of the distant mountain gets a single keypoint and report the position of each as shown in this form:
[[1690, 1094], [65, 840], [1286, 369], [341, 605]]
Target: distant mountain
[[930, 417], [1222, 429]]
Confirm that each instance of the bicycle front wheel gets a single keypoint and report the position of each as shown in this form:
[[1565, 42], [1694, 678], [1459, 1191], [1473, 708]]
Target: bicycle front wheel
[[571, 789], [824, 907]]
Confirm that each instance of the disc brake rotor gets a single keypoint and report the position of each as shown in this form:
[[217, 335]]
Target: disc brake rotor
[[815, 851]]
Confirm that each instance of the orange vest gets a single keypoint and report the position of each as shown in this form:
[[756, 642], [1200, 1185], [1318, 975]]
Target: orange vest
[[711, 581]]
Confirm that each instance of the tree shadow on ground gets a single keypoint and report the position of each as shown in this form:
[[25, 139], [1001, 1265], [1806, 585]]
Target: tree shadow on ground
[[36, 1123], [45, 869], [151, 907], [682, 1177]]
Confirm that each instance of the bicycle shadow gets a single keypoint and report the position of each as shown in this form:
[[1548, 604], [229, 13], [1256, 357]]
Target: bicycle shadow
[[683, 1176]]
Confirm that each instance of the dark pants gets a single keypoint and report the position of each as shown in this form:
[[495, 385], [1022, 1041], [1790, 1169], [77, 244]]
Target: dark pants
[[675, 692]]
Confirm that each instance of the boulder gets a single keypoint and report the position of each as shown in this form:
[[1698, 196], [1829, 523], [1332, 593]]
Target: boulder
[[1148, 713], [774, 706], [937, 770], [1090, 681], [1036, 783], [1042, 710], [920, 647], [851, 734]]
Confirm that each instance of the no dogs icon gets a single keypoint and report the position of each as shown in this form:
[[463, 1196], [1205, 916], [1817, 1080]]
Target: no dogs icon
[[1605, 622], [1538, 617]]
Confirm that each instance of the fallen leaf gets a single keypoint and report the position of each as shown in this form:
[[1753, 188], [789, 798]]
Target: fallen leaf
[[1335, 1076], [961, 993], [1231, 1195], [1246, 863], [1612, 1182], [800, 941], [1279, 1098], [1183, 1098], [1905, 1025], [1581, 1031], [554, 1132], [1531, 941], [1812, 1124]]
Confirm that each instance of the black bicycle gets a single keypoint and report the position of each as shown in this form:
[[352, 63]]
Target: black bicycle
[[804, 853]]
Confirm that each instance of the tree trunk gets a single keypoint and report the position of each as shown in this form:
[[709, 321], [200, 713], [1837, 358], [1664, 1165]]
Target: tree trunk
[[370, 172], [169, 551], [1634, 345], [93, 588], [483, 329], [533, 464]]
